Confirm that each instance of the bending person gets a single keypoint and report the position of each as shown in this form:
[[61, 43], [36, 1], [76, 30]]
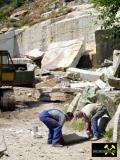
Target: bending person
[[91, 113], [54, 120]]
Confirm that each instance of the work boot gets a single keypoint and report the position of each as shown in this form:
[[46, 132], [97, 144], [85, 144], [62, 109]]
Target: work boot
[[94, 139]]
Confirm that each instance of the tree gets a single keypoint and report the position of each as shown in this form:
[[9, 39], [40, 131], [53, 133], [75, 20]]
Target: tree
[[17, 3], [108, 14], [14, 3]]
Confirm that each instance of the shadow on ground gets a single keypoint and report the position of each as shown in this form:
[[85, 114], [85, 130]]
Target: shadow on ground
[[74, 138]]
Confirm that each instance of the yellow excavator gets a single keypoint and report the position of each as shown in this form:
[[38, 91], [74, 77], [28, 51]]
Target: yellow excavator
[[12, 75]]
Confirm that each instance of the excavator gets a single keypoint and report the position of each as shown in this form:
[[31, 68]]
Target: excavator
[[12, 75]]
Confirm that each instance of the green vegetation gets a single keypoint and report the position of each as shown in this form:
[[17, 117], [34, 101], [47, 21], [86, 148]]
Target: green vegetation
[[14, 3], [108, 14], [108, 134], [77, 124], [35, 14], [17, 3]]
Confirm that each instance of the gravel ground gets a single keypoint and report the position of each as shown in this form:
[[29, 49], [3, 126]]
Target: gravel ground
[[17, 129]]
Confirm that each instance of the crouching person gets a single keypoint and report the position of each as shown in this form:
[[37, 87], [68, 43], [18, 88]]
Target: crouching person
[[54, 120], [91, 114]]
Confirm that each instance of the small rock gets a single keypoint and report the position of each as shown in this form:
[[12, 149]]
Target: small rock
[[4, 30], [29, 95]]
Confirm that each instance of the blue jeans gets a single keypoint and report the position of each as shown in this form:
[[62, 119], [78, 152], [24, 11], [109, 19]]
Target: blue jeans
[[55, 133], [94, 121]]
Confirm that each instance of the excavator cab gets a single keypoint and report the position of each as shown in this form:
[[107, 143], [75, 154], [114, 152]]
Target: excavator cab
[[12, 75], [7, 69]]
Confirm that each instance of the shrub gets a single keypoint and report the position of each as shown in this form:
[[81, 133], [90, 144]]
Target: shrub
[[108, 14], [17, 3]]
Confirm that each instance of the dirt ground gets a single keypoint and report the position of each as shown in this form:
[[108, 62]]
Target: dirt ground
[[17, 129]]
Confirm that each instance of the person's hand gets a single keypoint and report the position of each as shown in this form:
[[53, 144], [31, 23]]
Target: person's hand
[[76, 116]]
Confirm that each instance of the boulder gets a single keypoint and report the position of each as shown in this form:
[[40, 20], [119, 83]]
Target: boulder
[[73, 104], [61, 55], [110, 98], [88, 96], [16, 15], [114, 82], [35, 54], [3, 30]]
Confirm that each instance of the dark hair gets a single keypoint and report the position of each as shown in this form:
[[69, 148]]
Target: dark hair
[[70, 114]]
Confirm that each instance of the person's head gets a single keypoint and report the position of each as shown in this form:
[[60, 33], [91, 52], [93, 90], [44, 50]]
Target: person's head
[[69, 116], [79, 115]]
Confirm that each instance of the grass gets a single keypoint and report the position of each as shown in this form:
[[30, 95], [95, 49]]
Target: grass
[[78, 125], [108, 134]]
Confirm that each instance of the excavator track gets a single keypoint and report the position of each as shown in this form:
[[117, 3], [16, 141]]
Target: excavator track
[[7, 100]]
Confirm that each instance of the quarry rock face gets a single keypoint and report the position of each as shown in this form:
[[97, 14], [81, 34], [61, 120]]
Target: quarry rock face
[[77, 24], [63, 54]]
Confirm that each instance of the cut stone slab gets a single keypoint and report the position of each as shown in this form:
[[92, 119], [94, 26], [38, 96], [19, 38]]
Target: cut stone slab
[[21, 60], [35, 54], [62, 55], [68, 90], [86, 75], [100, 84], [116, 127], [81, 85], [116, 63]]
